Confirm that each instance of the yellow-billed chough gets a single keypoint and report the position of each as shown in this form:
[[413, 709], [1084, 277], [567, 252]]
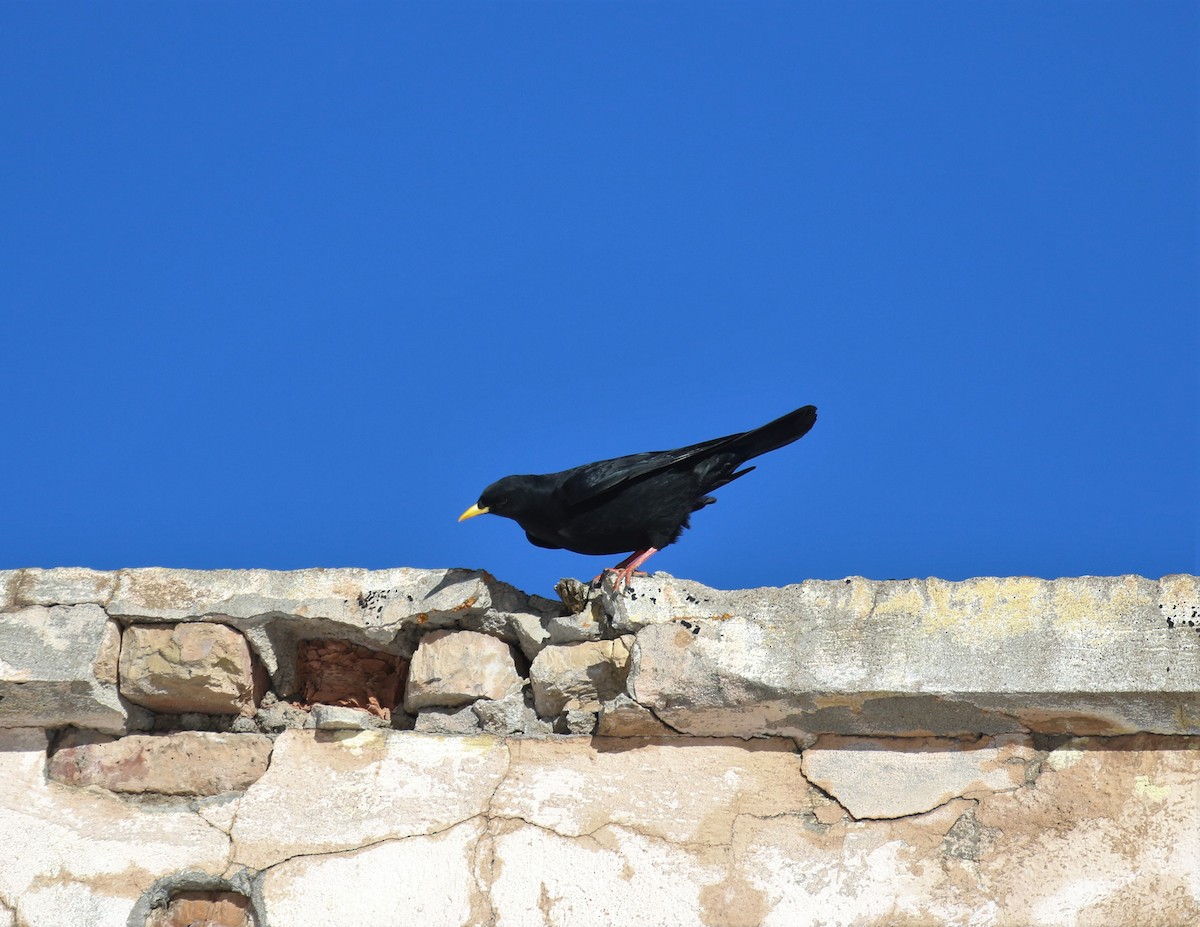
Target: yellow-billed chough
[[641, 502]]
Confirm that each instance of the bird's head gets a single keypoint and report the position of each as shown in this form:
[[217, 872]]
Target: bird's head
[[511, 497]]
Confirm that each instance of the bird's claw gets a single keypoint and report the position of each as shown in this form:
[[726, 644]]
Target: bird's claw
[[623, 577]]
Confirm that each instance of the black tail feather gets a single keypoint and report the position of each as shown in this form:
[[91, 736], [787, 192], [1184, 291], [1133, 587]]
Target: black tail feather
[[776, 434]]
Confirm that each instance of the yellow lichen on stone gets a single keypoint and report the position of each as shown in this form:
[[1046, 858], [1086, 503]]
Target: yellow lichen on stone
[[1143, 787], [1082, 607]]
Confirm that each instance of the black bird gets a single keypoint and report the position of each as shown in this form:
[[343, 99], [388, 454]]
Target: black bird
[[641, 502]]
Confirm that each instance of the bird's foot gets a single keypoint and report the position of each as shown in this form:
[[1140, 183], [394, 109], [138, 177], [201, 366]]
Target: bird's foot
[[626, 569], [622, 577]]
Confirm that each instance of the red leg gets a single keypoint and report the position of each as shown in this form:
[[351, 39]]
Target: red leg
[[626, 569]]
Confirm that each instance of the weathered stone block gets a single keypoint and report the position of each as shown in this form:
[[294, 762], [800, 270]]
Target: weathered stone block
[[453, 668], [663, 789], [192, 667], [921, 657], [8, 585], [76, 856], [56, 669], [448, 721], [374, 608], [896, 777], [64, 586], [369, 786], [579, 675], [337, 718], [183, 763], [426, 879], [512, 714], [623, 717]]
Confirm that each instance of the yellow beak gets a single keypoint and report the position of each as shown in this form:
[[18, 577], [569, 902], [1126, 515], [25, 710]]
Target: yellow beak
[[472, 512]]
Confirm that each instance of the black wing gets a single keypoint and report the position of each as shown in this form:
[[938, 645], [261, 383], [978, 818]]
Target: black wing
[[591, 480]]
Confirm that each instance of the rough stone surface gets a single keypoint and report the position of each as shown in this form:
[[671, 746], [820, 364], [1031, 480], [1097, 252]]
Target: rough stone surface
[[448, 721], [535, 624], [275, 610], [623, 717], [73, 856], [426, 879], [579, 675], [679, 831], [191, 667], [64, 586], [512, 714], [661, 598], [8, 585], [1108, 836], [922, 657], [370, 786], [56, 669], [453, 668], [185, 763], [966, 819], [337, 718], [895, 778], [577, 721], [274, 715], [573, 786]]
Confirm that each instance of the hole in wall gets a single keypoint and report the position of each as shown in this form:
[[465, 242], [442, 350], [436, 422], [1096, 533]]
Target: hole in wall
[[338, 672], [198, 899], [204, 909]]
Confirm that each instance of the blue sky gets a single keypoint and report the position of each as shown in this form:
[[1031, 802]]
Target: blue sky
[[287, 284]]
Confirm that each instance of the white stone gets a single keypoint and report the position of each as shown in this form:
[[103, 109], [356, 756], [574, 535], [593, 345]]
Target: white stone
[[615, 876], [509, 715], [338, 718], [361, 599], [659, 788], [448, 721], [882, 873], [896, 777], [77, 857], [420, 880], [662, 598], [368, 786]]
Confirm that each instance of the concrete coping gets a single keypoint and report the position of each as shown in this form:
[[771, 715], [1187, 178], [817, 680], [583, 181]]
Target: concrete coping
[[918, 657]]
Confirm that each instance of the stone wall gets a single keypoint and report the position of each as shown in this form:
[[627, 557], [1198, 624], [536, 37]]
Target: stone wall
[[333, 747]]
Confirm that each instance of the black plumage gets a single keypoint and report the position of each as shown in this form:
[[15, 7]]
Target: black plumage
[[639, 503]]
